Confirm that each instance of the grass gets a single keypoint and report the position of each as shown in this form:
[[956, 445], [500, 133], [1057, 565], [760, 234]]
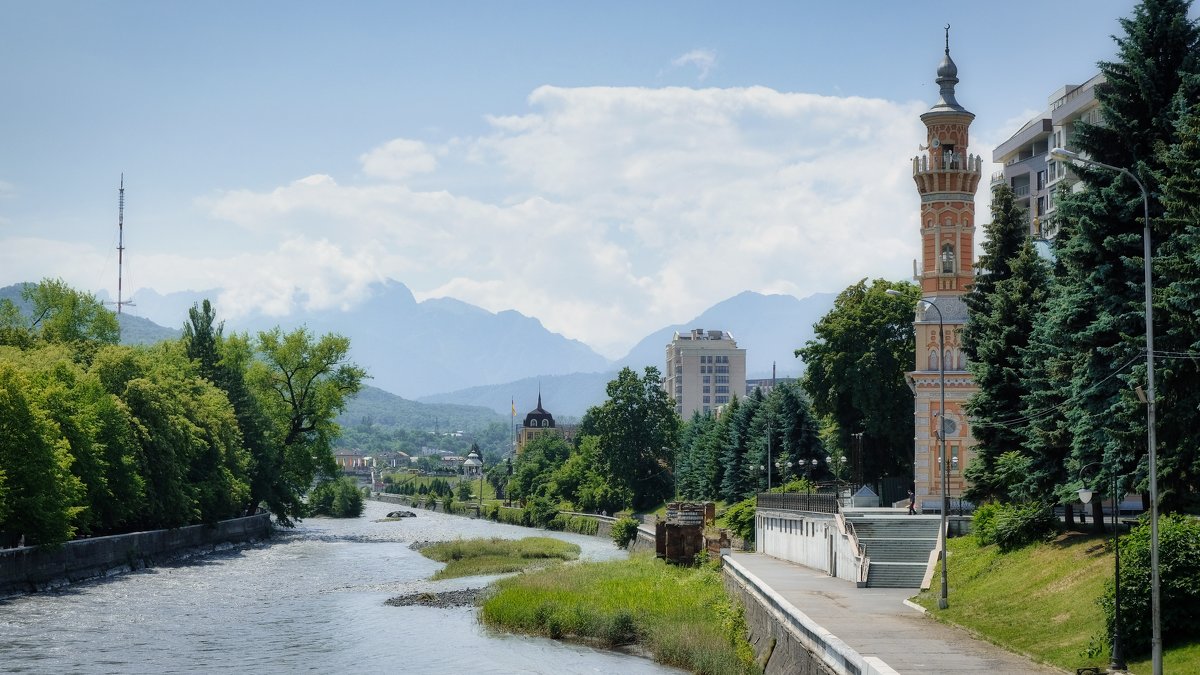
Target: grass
[[1040, 601], [682, 616], [473, 557]]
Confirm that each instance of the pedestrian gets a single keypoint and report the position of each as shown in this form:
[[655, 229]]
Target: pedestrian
[[912, 503]]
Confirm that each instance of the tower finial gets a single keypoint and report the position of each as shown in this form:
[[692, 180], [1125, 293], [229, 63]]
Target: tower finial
[[947, 39]]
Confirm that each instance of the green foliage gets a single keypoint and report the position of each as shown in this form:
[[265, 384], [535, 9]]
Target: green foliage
[[1098, 303], [983, 522], [338, 498], [539, 511], [1179, 569], [740, 518], [1017, 525], [577, 524], [1009, 294], [534, 467], [473, 557], [637, 429], [854, 372], [624, 531], [40, 493], [58, 314], [464, 490], [301, 384], [680, 615]]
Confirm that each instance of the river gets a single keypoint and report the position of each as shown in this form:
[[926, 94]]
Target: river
[[310, 600]]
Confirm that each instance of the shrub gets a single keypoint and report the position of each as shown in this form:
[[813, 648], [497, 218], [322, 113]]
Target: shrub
[[740, 519], [1179, 586], [624, 531], [983, 523], [336, 498], [576, 524], [539, 511], [1018, 525]]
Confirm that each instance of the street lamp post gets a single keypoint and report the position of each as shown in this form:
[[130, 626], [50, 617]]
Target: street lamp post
[[943, 599], [1155, 611], [1117, 660]]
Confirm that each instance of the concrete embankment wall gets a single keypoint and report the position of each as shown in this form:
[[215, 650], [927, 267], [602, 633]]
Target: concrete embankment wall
[[785, 639], [29, 568]]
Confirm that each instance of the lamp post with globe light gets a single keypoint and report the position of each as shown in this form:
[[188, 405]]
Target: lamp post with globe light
[[1064, 155], [943, 599]]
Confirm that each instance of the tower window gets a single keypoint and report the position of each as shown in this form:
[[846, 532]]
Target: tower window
[[948, 258]]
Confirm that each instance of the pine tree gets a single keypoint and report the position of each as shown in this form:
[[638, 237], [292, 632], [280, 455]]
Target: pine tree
[[999, 327], [1178, 303], [1100, 310]]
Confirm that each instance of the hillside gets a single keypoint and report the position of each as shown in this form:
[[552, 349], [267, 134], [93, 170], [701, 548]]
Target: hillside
[[135, 330], [378, 407], [565, 396]]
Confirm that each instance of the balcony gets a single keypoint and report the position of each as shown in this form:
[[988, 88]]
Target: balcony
[[1021, 191]]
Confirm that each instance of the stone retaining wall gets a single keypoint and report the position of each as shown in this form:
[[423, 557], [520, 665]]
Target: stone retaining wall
[[30, 569], [785, 640]]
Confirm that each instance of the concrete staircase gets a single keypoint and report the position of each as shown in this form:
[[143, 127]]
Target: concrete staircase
[[898, 546]]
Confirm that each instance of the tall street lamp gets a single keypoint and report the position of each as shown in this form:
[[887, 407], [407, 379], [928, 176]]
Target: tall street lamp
[[943, 599], [1117, 662], [1155, 612]]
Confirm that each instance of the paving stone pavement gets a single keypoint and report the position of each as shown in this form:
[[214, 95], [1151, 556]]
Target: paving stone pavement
[[875, 622]]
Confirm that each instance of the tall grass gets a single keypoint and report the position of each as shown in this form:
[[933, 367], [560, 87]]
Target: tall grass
[[681, 615], [472, 557]]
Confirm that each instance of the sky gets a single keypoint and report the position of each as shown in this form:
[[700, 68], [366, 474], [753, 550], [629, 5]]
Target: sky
[[608, 168]]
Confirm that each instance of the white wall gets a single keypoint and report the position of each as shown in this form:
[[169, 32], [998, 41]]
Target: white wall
[[815, 540]]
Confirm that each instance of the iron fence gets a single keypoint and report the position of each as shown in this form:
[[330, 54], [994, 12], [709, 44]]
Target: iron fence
[[797, 501]]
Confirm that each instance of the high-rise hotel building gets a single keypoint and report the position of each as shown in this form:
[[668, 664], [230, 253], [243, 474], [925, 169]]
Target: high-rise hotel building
[[705, 369]]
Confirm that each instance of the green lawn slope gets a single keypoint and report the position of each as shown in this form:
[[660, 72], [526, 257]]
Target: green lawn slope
[[1041, 601]]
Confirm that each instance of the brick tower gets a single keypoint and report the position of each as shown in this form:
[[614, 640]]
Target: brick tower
[[946, 177]]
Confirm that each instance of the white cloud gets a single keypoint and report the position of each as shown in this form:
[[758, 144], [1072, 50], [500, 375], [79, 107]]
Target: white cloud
[[703, 59], [621, 210], [398, 159]]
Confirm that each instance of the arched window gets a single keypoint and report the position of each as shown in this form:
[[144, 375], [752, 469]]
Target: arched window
[[545, 423], [949, 360], [948, 258], [933, 360]]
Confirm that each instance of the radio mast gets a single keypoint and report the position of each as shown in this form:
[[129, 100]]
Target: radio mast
[[121, 302]]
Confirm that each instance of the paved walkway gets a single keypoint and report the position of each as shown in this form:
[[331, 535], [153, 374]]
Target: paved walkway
[[875, 622]]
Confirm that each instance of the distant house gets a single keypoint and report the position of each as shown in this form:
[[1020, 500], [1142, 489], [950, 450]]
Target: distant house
[[351, 460], [539, 422]]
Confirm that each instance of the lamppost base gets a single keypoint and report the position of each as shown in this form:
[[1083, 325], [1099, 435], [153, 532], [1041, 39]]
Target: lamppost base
[[943, 603]]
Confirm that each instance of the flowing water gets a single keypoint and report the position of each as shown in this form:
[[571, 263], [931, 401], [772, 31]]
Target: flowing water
[[311, 600]]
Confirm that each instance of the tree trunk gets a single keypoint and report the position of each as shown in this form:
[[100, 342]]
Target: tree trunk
[[1069, 515], [1098, 514]]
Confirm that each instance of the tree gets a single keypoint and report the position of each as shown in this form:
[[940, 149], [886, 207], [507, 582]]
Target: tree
[[740, 471], [638, 431], [1178, 304], [63, 314], [1102, 303], [1000, 338], [800, 434], [41, 495], [225, 362], [854, 372], [302, 384]]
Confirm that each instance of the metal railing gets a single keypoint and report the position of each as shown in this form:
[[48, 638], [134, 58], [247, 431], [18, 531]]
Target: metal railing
[[795, 501]]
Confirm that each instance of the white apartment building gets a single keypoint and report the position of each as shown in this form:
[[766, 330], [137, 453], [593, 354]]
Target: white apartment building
[[1027, 168], [705, 369]]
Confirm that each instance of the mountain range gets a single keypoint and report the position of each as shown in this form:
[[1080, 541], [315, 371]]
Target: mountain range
[[447, 351]]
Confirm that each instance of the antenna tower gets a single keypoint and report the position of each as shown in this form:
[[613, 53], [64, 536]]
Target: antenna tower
[[121, 302]]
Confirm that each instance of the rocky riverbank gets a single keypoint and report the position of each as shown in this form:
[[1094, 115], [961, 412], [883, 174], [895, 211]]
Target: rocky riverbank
[[467, 597]]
